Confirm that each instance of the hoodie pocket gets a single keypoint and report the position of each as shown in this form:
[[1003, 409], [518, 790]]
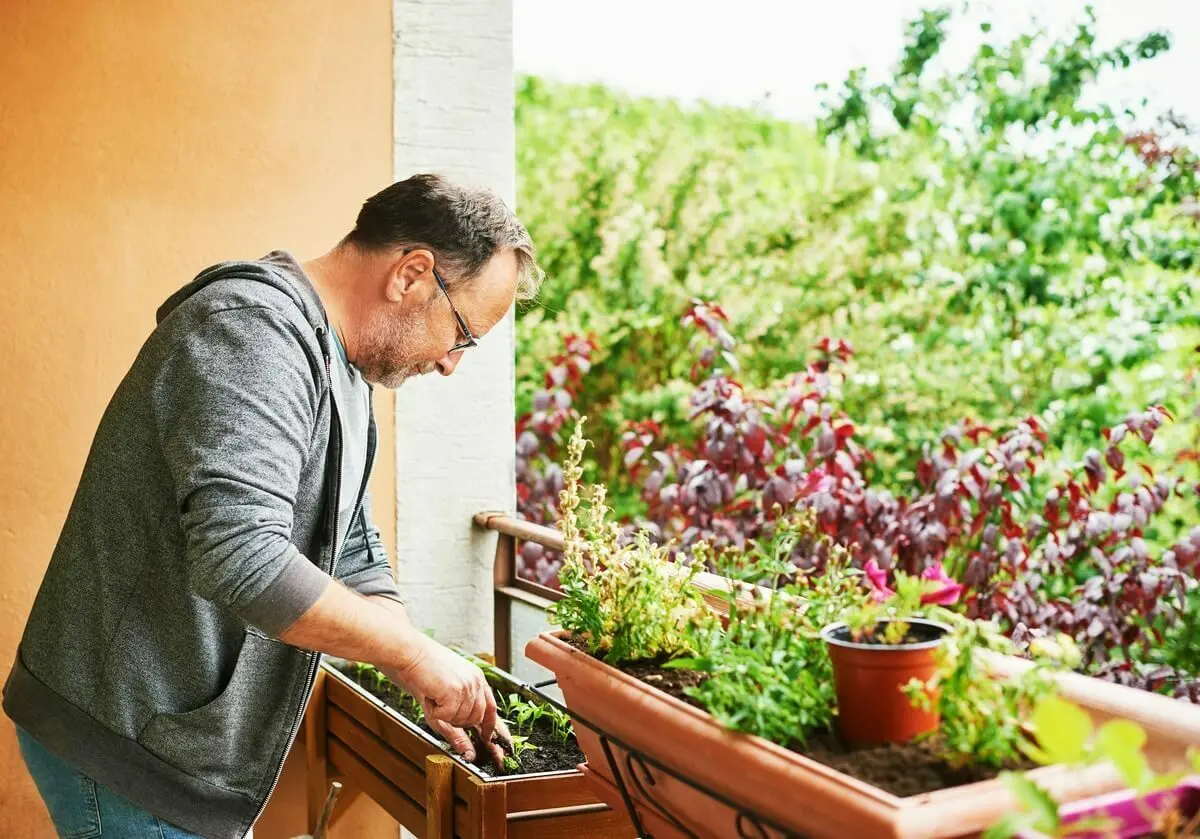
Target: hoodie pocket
[[234, 740]]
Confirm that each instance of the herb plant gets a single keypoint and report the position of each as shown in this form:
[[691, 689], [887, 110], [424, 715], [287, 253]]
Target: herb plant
[[981, 716], [623, 599], [768, 672]]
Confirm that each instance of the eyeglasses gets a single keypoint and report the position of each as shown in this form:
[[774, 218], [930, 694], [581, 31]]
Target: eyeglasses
[[468, 339]]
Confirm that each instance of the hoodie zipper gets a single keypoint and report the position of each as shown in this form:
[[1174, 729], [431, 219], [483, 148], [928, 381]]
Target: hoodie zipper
[[336, 428]]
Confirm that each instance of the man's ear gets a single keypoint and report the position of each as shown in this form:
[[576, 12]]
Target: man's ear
[[407, 273]]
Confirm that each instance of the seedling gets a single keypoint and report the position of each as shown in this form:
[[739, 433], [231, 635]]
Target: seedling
[[520, 747], [562, 725]]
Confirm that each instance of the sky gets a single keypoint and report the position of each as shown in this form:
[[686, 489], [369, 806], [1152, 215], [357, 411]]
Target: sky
[[773, 52]]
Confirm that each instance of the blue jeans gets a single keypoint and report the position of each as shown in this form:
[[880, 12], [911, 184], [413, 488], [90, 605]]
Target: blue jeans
[[82, 809]]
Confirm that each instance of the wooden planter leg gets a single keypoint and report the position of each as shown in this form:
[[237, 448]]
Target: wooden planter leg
[[316, 758], [439, 797], [487, 808], [493, 800]]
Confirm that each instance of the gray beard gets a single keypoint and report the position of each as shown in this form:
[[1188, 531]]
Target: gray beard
[[384, 352]]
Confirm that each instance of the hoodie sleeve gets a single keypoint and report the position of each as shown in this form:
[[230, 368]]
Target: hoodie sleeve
[[235, 405], [364, 563]]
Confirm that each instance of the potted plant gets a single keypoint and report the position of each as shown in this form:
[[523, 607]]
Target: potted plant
[[711, 724], [370, 732], [880, 648], [1154, 806]]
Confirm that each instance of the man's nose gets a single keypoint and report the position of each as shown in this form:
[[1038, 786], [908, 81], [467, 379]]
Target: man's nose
[[448, 362]]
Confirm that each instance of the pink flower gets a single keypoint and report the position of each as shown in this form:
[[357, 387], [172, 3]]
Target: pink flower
[[877, 578], [948, 591]]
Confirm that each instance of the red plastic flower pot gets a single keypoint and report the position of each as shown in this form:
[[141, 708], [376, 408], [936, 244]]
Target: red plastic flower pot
[[870, 678]]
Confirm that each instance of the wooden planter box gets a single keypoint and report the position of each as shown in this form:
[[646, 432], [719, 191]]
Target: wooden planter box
[[433, 794]]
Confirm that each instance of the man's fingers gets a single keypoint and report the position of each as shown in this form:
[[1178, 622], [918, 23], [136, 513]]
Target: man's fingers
[[456, 737], [502, 735], [497, 755], [488, 726]]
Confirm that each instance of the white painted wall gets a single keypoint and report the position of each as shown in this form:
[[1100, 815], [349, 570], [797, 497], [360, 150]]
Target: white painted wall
[[453, 71]]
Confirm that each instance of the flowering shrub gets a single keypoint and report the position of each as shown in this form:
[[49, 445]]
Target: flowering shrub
[[1044, 549]]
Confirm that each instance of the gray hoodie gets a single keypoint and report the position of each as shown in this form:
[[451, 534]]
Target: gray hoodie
[[201, 529]]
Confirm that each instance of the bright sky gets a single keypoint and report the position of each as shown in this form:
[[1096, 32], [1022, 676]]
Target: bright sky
[[741, 52]]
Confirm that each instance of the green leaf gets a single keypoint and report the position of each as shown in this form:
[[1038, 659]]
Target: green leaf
[[1119, 736], [1121, 742], [1062, 730], [702, 664], [1034, 801], [1010, 826]]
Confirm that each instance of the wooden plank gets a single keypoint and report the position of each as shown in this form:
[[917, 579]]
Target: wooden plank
[[464, 828], [398, 805], [378, 721], [493, 811], [408, 777], [315, 757], [504, 572], [468, 820], [439, 797], [595, 822], [567, 790]]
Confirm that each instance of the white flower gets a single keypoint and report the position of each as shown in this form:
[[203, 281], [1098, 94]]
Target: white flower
[[978, 241], [1037, 73], [911, 260], [947, 231], [903, 343], [1008, 83], [1152, 371], [1016, 247], [1120, 207], [1109, 224], [1049, 205], [1095, 265]]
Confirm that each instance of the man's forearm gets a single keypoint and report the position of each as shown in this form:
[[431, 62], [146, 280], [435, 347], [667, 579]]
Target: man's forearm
[[347, 625]]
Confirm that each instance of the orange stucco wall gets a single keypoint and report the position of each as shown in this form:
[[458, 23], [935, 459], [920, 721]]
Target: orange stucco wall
[[139, 142]]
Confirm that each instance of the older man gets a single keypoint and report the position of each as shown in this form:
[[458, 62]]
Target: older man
[[221, 536]]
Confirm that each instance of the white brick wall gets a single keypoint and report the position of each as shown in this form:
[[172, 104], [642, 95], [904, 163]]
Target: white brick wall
[[453, 76]]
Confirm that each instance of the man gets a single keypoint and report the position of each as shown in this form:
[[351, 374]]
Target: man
[[221, 538]]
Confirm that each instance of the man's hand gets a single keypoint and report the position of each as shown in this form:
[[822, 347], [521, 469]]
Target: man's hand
[[455, 695], [497, 748]]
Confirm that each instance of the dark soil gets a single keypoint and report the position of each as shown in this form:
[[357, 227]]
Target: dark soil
[[902, 769], [549, 756]]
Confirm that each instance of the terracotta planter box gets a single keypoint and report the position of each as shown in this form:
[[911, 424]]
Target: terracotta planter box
[[744, 778], [434, 794]]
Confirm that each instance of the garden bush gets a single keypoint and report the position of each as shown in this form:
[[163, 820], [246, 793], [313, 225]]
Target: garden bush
[[1009, 277]]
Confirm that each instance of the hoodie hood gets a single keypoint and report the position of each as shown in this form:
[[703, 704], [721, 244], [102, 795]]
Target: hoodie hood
[[278, 269]]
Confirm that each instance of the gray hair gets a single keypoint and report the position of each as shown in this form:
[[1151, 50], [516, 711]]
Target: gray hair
[[465, 226]]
